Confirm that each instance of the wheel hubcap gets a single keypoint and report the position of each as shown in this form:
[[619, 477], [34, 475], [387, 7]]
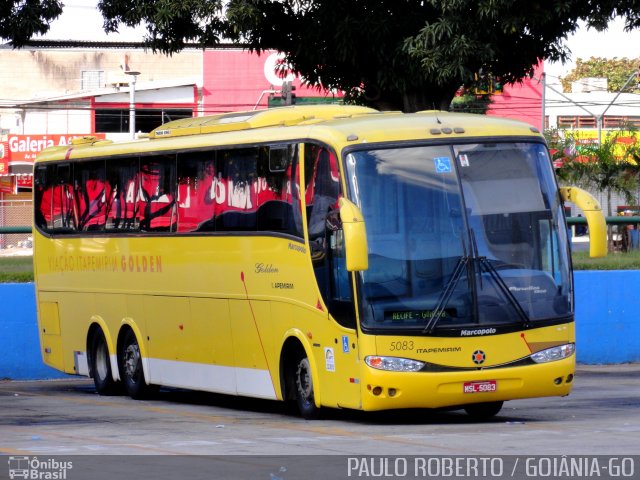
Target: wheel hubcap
[[102, 358], [131, 360], [303, 380]]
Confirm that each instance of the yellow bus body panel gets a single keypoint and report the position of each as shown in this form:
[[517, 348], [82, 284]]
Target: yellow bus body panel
[[445, 388], [50, 334]]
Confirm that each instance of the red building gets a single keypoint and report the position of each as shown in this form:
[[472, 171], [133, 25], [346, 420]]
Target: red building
[[236, 80], [522, 101]]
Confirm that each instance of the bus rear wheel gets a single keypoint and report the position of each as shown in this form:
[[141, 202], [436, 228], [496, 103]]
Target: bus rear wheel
[[130, 364], [303, 385], [483, 411], [101, 365]]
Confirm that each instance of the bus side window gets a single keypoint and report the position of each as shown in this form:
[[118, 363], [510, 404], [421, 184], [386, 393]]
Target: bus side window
[[278, 206], [238, 190], [64, 214], [237, 177], [91, 193], [123, 178], [156, 199], [43, 196], [322, 193], [325, 233], [197, 191]]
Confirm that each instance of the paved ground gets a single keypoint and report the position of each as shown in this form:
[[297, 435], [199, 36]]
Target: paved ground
[[601, 416], [51, 425]]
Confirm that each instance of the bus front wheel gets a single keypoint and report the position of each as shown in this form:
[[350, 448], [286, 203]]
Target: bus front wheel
[[130, 364], [303, 384], [483, 411], [101, 365]]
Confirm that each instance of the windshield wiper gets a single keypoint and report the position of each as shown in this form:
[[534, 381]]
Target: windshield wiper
[[505, 290], [463, 263], [482, 260], [460, 267], [446, 293]]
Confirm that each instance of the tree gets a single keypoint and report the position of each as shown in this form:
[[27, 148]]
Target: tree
[[616, 70], [353, 46], [414, 54], [468, 102], [20, 20], [612, 166], [390, 54]]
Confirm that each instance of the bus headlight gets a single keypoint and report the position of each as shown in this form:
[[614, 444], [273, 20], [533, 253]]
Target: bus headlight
[[554, 353], [393, 364]]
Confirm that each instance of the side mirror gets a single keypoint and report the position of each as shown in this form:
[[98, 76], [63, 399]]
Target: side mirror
[[355, 236]]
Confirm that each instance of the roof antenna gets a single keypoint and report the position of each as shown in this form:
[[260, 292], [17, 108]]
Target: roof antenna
[[435, 113]]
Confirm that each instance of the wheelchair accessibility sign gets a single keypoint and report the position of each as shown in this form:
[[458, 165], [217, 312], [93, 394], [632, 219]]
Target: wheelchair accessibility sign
[[442, 164]]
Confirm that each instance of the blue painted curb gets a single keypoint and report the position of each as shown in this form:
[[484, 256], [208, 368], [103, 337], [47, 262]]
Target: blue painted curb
[[607, 325], [20, 357], [607, 316]]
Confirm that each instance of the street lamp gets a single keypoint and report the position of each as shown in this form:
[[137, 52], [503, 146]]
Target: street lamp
[[132, 102]]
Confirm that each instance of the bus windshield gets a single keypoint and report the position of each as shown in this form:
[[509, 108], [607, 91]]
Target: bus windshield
[[461, 237]]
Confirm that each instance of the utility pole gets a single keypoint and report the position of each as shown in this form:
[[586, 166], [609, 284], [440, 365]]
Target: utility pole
[[132, 102], [287, 92], [544, 99]]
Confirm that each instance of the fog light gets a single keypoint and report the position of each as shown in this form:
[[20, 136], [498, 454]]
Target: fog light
[[376, 391], [557, 381], [392, 392], [569, 378]]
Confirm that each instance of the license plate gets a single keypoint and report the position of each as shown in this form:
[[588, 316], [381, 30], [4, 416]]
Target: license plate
[[480, 387]]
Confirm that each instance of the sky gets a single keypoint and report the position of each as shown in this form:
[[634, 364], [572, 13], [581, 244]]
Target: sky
[[82, 21], [587, 43]]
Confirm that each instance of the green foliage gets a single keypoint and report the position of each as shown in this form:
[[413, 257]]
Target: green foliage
[[610, 166], [16, 269], [20, 20], [355, 46], [391, 54], [561, 145], [503, 37], [469, 103], [171, 24], [613, 261], [616, 70]]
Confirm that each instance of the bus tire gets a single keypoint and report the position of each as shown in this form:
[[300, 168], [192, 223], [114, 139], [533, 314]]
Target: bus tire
[[101, 365], [130, 365], [303, 388], [483, 411]]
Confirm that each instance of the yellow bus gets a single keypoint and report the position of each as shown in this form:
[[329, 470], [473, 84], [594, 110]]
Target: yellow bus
[[331, 256]]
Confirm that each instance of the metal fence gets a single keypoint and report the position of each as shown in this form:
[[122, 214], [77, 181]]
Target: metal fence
[[15, 215]]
